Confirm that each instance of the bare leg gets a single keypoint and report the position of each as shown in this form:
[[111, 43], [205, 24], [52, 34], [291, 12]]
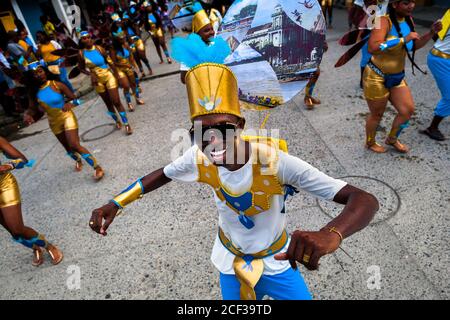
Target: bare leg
[[377, 108], [125, 85], [134, 89], [158, 49], [74, 142], [11, 218], [143, 56], [115, 98], [162, 41], [70, 152], [309, 100], [403, 102], [111, 109], [138, 62]]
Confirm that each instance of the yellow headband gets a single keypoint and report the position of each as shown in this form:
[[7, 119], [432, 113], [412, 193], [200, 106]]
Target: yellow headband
[[212, 89], [200, 20]]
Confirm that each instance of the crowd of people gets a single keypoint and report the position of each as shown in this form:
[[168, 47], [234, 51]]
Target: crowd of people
[[253, 252]]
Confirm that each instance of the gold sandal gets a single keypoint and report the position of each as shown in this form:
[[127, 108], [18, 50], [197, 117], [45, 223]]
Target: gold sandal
[[38, 257], [400, 147], [128, 129], [376, 148], [99, 173], [55, 254], [78, 166]]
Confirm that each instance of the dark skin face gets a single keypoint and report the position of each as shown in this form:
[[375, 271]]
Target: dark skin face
[[23, 35], [404, 8], [206, 33], [40, 75], [218, 144], [87, 42]]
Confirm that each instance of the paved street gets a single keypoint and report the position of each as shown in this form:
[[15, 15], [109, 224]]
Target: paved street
[[160, 247]]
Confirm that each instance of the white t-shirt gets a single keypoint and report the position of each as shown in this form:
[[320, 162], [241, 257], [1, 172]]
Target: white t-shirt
[[444, 45], [270, 224]]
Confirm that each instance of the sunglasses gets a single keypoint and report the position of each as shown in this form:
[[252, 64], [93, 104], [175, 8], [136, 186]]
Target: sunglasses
[[214, 130]]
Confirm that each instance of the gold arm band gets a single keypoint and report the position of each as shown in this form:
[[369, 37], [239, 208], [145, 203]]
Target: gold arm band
[[130, 194]]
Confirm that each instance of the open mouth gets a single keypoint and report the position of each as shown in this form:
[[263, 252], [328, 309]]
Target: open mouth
[[218, 156]]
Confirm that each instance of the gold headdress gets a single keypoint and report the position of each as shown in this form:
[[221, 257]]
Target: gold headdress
[[212, 89], [200, 20]]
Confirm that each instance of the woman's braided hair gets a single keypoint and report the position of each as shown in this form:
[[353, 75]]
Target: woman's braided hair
[[409, 21]]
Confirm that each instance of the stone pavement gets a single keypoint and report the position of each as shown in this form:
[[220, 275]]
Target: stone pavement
[[160, 247]]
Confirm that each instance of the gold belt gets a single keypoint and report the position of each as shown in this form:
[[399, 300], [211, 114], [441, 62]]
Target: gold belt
[[440, 54], [249, 267]]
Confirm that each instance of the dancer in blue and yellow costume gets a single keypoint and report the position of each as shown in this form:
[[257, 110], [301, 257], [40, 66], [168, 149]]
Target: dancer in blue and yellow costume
[[250, 178], [124, 61], [11, 211], [439, 64], [153, 25], [104, 76], [51, 96], [384, 74], [137, 45]]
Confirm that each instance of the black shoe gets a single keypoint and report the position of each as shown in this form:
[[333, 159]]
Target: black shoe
[[434, 134]]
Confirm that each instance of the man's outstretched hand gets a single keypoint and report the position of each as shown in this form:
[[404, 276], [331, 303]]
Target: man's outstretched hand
[[107, 213], [307, 247]]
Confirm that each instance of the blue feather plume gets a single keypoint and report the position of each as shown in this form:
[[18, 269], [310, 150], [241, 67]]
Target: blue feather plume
[[193, 51]]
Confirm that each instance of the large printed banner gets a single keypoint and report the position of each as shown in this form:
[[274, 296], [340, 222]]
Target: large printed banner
[[276, 47]]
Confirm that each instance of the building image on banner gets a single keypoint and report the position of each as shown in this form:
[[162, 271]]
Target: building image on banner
[[276, 46]]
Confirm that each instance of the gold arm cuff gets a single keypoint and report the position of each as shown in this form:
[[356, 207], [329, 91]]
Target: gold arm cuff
[[130, 194]]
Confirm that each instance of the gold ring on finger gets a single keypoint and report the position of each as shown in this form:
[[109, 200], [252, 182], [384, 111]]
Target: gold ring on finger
[[306, 258]]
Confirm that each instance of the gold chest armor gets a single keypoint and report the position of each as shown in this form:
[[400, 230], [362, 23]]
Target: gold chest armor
[[265, 181]]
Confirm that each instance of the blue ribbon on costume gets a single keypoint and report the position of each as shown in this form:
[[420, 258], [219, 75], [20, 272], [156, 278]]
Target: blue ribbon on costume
[[123, 117], [248, 262], [18, 163], [288, 191], [246, 221], [84, 34], [389, 44], [21, 164], [31, 242], [36, 64]]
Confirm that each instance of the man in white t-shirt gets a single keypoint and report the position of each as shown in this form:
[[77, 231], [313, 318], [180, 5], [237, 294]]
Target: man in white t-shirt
[[250, 178]]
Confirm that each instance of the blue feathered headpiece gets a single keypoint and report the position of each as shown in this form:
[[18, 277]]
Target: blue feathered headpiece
[[193, 51]]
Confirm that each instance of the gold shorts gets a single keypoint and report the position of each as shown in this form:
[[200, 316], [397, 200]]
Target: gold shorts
[[373, 84], [157, 33], [9, 190], [125, 72], [139, 45], [106, 81], [327, 3], [63, 121]]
